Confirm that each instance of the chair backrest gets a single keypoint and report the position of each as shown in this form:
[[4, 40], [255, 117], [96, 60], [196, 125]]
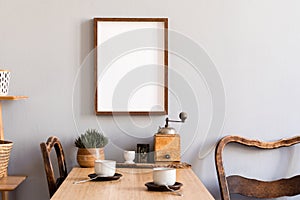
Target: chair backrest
[[236, 184], [46, 148]]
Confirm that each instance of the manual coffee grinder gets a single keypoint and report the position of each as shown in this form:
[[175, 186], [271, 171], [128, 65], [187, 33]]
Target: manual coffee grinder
[[167, 142]]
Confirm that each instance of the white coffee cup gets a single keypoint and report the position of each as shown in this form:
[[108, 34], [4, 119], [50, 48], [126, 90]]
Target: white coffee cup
[[164, 176], [129, 156], [105, 167]]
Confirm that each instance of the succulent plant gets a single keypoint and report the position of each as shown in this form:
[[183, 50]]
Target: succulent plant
[[91, 139]]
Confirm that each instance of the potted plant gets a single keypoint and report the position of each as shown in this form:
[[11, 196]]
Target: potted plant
[[90, 147]]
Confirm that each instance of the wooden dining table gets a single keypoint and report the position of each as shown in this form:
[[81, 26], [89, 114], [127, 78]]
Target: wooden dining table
[[131, 186]]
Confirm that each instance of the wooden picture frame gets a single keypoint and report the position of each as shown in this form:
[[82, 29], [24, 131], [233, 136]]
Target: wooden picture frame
[[131, 66]]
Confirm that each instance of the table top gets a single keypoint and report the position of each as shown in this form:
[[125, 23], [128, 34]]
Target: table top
[[11, 97], [9, 183], [130, 186]]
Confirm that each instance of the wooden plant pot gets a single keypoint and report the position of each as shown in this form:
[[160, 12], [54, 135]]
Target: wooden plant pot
[[87, 157]]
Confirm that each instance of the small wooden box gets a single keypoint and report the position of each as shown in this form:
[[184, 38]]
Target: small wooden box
[[167, 147]]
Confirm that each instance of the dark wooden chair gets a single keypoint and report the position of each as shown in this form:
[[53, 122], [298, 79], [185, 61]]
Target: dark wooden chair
[[236, 184], [53, 183]]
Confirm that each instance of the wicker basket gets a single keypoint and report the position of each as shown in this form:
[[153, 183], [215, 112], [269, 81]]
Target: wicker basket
[[5, 148]]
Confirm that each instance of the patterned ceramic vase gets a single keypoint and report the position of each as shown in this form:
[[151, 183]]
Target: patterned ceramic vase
[[4, 82]]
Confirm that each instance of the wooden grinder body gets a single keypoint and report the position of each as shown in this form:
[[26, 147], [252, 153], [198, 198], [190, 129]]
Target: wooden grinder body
[[167, 147]]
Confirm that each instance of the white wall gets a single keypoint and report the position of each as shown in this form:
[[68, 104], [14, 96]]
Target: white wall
[[254, 45]]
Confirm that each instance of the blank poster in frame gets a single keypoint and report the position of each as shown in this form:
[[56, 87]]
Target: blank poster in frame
[[131, 66]]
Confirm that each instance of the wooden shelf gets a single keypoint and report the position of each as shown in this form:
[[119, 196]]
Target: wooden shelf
[[10, 183], [12, 97], [7, 97]]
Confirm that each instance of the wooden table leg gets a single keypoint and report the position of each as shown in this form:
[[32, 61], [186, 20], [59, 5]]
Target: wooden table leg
[[1, 124], [4, 195]]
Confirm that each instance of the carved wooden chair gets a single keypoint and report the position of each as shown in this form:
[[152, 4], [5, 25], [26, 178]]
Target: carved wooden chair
[[53, 183], [236, 184]]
